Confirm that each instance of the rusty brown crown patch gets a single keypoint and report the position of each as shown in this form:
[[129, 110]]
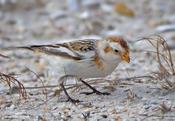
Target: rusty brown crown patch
[[119, 40]]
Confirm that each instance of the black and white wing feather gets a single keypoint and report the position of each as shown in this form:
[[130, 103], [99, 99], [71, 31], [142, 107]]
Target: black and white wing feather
[[76, 50]]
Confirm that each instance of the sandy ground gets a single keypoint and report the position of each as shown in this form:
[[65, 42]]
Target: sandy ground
[[132, 99]]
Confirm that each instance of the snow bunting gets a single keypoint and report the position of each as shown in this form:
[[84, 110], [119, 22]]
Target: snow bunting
[[88, 58]]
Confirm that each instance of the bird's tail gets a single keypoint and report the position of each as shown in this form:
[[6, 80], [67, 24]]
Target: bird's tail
[[19, 47]]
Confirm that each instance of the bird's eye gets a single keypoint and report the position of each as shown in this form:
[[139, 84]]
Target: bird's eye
[[116, 50]]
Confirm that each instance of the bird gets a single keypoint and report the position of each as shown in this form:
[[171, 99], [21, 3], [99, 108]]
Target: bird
[[85, 58]]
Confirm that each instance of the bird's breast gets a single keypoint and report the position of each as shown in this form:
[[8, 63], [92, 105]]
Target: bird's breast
[[89, 69], [83, 68]]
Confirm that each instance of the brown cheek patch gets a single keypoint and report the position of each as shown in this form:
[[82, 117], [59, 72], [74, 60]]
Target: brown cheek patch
[[107, 49]]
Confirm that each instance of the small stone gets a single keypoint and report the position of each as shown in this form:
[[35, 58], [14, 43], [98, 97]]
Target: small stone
[[12, 107], [2, 100], [104, 116]]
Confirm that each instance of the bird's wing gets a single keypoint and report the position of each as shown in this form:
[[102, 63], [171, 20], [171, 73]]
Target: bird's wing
[[77, 50]]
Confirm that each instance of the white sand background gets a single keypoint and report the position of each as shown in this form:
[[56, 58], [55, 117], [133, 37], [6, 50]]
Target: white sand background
[[44, 21]]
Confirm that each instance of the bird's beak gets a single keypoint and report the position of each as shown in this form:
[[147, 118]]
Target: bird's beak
[[126, 57]]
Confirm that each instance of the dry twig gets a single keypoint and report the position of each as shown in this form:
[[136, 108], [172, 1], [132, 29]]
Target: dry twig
[[164, 59], [12, 80]]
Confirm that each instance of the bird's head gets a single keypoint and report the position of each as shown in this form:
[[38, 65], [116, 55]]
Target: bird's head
[[115, 49]]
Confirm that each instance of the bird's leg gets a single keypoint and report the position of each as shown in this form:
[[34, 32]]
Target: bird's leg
[[68, 77], [93, 89], [62, 80]]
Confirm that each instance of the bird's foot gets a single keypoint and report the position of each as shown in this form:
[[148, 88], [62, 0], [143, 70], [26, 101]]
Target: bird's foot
[[96, 92], [73, 100]]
